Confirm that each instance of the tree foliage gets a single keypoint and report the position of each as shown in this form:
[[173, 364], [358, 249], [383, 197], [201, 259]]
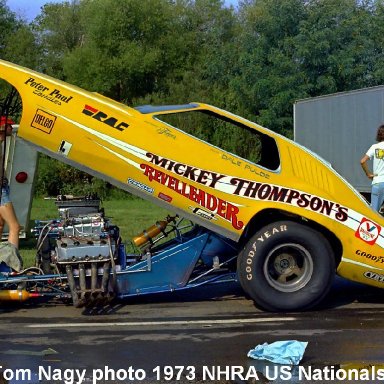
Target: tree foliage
[[254, 60]]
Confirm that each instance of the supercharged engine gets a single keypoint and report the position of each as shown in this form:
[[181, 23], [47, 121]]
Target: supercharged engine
[[85, 239], [84, 245]]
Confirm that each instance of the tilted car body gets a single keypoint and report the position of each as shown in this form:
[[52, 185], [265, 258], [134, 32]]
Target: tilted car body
[[283, 222]]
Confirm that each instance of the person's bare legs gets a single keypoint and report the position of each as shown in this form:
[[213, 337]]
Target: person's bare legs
[[1, 227], [8, 215]]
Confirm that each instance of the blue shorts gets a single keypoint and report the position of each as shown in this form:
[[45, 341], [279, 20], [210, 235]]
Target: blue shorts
[[5, 195]]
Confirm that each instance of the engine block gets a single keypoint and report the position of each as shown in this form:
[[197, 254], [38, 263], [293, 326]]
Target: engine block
[[85, 239], [71, 250]]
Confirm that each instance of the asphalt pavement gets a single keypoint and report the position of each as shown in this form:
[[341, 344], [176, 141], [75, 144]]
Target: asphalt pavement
[[197, 336]]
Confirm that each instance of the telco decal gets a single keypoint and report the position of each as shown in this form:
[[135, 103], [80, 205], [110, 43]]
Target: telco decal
[[368, 231], [214, 204], [104, 118], [43, 121], [56, 96], [374, 276], [376, 259], [139, 185]]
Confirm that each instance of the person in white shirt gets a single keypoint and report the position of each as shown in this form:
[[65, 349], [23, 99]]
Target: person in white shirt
[[376, 152]]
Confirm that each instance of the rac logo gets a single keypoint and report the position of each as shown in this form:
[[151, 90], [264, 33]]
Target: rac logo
[[104, 118]]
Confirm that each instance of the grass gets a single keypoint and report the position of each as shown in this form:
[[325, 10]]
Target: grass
[[130, 215]]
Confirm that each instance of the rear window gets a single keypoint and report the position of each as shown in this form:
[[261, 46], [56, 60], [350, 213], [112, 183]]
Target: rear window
[[227, 134]]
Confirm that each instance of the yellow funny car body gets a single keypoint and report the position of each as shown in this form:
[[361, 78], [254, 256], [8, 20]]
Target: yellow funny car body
[[293, 219]]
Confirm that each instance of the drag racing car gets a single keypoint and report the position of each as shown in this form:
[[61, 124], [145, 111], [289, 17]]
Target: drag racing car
[[263, 211]]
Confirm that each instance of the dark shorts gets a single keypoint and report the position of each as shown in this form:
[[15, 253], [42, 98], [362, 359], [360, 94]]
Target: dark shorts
[[5, 196]]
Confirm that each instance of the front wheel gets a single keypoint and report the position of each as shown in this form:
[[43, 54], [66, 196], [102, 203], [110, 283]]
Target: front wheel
[[286, 266]]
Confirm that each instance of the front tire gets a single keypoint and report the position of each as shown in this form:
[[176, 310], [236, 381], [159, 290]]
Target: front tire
[[286, 266]]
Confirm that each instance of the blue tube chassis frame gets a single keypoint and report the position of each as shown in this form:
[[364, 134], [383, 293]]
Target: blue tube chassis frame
[[189, 260]]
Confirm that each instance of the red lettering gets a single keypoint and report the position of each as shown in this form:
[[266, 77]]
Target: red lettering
[[221, 207], [148, 171], [231, 215], [211, 202]]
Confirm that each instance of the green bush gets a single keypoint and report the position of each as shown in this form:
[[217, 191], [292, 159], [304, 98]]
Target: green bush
[[56, 178]]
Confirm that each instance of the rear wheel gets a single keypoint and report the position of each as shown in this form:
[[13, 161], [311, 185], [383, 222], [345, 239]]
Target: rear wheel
[[286, 266]]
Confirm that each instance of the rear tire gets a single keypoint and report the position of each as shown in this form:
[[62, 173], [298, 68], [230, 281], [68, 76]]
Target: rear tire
[[286, 266]]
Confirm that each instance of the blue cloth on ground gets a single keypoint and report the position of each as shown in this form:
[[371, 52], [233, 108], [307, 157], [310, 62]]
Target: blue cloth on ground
[[288, 352]]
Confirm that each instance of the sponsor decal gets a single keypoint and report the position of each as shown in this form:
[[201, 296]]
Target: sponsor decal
[[220, 207], [374, 276], [263, 191], [203, 213], [376, 259], [56, 96], [141, 186], [368, 231], [251, 189], [43, 121], [164, 197], [166, 132], [65, 148], [104, 118], [198, 175]]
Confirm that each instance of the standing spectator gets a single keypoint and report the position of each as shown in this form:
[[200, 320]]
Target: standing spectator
[[7, 212], [376, 151]]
